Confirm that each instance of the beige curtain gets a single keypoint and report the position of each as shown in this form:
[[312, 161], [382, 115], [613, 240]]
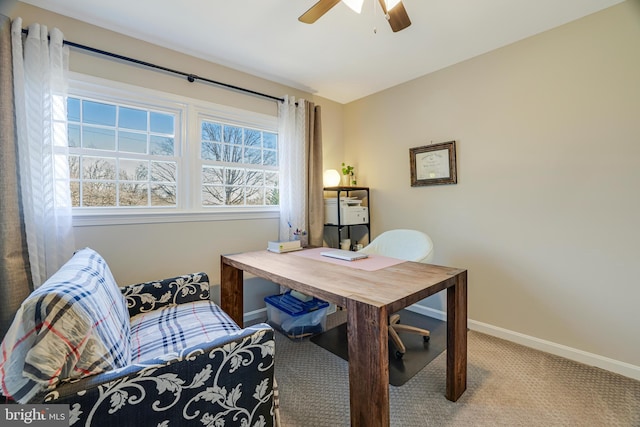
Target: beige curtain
[[15, 277], [314, 203]]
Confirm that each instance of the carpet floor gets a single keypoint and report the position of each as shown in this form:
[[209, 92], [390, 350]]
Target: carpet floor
[[507, 385]]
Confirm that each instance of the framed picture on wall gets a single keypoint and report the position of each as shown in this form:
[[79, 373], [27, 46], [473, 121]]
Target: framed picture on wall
[[433, 164]]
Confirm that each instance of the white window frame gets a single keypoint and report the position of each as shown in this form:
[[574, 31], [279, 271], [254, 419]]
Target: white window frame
[[189, 112]]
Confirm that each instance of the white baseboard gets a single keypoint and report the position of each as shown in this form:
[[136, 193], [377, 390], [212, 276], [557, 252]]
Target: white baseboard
[[591, 359], [428, 311], [260, 313]]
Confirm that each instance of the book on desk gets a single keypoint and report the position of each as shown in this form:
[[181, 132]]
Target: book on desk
[[283, 246]]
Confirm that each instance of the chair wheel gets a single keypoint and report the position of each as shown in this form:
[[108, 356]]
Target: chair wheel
[[399, 354], [426, 339]]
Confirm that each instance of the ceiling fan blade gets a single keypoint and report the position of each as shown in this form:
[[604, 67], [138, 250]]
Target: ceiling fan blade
[[398, 17], [317, 10]]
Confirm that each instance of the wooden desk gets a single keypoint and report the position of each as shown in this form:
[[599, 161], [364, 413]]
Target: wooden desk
[[369, 297]]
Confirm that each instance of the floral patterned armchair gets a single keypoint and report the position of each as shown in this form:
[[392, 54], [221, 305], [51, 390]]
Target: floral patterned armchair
[[186, 362]]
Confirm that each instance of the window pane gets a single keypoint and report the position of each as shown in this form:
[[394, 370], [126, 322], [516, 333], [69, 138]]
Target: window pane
[[98, 194], [162, 123], [270, 158], [234, 196], [233, 154], [253, 156], [255, 196], [73, 109], [255, 178], [270, 140], [233, 135], [132, 118], [73, 135], [252, 137], [74, 167], [132, 142], [134, 194], [98, 168], [234, 176], [133, 170], [212, 151], [97, 113], [100, 139], [161, 146], [211, 131], [212, 175], [271, 179], [163, 171], [74, 187], [163, 195], [272, 198], [212, 196]]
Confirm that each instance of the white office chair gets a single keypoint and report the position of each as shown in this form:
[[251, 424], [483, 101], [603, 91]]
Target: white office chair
[[409, 245]]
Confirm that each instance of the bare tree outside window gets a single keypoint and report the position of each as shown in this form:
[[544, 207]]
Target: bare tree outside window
[[115, 160], [163, 178], [235, 166]]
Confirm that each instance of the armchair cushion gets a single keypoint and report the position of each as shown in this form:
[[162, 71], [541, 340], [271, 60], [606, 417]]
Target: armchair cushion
[[159, 333], [58, 332]]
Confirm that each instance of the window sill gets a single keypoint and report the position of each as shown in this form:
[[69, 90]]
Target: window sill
[[122, 218]]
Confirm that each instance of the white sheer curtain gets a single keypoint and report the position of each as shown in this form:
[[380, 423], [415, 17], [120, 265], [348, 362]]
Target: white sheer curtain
[[40, 69], [293, 168]]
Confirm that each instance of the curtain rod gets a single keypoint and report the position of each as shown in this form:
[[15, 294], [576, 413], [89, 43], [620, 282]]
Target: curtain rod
[[190, 76]]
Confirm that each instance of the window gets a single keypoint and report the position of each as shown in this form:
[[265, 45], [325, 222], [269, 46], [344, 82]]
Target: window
[[136, 151], [239, 165], [121, 156]]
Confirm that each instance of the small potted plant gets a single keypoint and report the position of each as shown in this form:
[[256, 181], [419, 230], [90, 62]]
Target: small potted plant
[[348, 175]]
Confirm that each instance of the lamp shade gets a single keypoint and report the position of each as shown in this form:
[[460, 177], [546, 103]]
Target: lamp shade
[[331, 178]]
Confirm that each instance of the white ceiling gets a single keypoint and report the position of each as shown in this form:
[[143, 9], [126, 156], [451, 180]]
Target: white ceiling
[[343, 56]]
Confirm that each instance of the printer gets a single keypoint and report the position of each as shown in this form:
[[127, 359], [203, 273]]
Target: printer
[[351, 211]]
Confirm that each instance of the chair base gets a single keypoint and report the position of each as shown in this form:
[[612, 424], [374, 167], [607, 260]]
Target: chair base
[[395, 327]]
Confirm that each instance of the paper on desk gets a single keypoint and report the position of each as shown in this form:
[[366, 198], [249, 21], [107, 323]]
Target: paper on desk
[[372, 263]]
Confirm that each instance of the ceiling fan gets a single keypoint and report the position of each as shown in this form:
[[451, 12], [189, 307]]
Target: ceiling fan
[[393, 10]]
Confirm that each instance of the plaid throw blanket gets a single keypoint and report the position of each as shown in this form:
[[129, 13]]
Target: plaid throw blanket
[[74, 325], [171, 329]]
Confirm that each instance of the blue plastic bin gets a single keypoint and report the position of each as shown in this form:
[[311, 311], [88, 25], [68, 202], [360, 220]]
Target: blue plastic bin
[[294, 318]]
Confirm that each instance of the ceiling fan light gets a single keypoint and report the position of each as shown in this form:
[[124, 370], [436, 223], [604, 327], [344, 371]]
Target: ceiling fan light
[[391, 3], [355, 5]]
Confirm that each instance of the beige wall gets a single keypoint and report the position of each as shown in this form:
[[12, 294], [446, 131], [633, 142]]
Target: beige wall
[[152, 251], [545, 213]]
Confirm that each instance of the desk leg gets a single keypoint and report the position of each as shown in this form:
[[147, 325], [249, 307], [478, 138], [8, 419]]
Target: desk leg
[[457, 338], [367, 331], [231, 292]]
